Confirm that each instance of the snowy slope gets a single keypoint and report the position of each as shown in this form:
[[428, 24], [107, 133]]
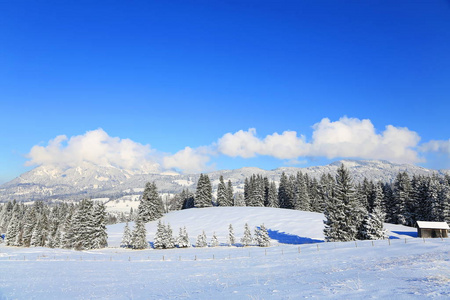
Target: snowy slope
[[88, 180], [402, 269]]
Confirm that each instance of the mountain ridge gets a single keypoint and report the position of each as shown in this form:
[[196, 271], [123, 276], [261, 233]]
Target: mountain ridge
[[88, 180]]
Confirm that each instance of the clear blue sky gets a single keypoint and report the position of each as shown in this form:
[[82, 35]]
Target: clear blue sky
[[173, 74]]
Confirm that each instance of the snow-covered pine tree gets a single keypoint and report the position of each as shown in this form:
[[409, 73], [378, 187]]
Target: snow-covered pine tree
[[230, 194], [183, 239], [13, 228], [401, 197], [99, 235], [159, 242], [372, 227], [168, 238], [201, 240], [341, 222], [203, 196], [302, 197], [214, 241], [83, 225], [221, 193], [285, 192], [272, 197], [28, 226], [139, 236], [231, 239], [247, 239], [126, 238], [262, 238], [150, 206]]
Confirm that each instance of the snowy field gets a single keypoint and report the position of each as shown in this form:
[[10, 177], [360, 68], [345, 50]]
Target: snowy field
[[298, 265]]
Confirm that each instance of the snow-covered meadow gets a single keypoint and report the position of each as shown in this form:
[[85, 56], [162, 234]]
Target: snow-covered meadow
[[297, 265]]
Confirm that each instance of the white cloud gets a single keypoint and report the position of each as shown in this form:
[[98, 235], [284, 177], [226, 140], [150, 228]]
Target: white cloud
[[351, 137], [442, 147], [95, 147], [347, 137], [246, 144], [189, 160]]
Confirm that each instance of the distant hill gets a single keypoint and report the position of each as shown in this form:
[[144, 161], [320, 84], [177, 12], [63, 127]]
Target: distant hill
[[88, 180]]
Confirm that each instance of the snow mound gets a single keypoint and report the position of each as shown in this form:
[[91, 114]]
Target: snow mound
[[285, 226]]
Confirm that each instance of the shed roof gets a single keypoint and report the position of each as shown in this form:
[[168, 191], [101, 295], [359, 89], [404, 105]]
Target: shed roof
[[433, 225]]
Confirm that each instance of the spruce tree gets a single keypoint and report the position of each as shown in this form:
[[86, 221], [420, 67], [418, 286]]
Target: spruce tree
[[159, 242], [222, 193], [99, 235], [247, 239], [214, 241], [401, 198], [203, 196], [201, 240], [183, 239], [341, 222], [272, 197], [139, 235], [230, 194], [262, 238], [231, 239], [150, 207], [126, 238]]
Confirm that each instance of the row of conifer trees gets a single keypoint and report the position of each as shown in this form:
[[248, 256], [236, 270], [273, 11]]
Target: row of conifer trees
[[73, 226], [164, 238], [404, 201]]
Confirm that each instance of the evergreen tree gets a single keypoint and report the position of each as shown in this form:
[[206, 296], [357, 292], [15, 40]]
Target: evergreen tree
[[201, 240], [283, 192], [168, 238], [230, 194], [99, 235], [402, 210], [301, 194], [159, 241], [247, 239], [183, 239], [222, 193], [262, 236], [13, 227], [150, 207], [231, 239], [341, 223], [214, 241], [272, 198], [203, 196], [139, 235], [126, 238]]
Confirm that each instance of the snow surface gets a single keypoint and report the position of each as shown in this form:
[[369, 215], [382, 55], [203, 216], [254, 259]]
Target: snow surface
[[404, 267]]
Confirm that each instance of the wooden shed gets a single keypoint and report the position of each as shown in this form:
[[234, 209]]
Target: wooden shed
[[432, 229]]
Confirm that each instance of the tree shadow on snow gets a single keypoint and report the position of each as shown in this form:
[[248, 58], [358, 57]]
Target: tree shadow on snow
[[409, 233], [286, 238]]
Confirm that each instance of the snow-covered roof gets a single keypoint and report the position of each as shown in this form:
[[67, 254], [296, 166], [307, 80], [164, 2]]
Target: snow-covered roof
[[433, 225]]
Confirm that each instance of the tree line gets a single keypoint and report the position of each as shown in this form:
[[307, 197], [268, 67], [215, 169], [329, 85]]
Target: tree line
[[78, 226]]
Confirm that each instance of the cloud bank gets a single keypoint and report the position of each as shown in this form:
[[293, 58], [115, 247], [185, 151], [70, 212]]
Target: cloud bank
[[344, 138], [348, 137], [95, 147]]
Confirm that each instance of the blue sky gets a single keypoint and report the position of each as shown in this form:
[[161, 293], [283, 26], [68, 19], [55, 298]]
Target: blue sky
[[174, 74]]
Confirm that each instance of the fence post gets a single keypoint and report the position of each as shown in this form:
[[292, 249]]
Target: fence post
[[163, 258], [299, 251], [356, 245], [372, 243], [389, 240], [317, 247], [405, 240]]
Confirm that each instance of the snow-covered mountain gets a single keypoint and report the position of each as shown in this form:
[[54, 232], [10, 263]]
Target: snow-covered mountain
[[88, 180]]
